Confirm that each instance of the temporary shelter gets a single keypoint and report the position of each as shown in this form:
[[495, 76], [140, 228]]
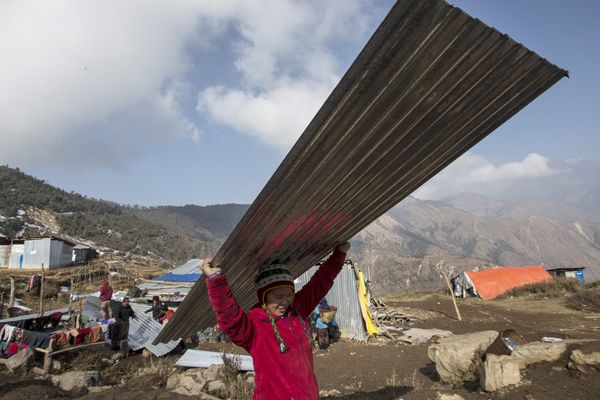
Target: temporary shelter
[[177, 281], [491, 283], [188, 272], [568, 273], [49, 252], [349, 294]]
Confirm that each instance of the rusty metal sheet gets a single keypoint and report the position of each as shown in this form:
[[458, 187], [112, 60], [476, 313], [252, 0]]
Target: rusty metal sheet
[[430, 83]]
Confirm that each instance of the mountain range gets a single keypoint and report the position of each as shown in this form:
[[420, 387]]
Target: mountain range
[[408, 248]]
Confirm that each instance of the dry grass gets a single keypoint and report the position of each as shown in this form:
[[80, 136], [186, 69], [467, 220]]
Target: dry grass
[[555, 288], [237, 388], [586, 299], [163, 367], [581, 297], [414, 380]]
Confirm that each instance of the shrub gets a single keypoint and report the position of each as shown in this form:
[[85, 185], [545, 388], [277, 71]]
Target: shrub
[[554, 288], [587, 299]]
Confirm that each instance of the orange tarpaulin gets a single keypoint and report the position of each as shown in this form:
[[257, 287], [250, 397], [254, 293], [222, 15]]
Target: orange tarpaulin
[[491, 283]]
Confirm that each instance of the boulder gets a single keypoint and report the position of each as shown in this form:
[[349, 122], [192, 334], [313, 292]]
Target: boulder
[[580, 358], [20, 361], [56, 365], [189, 383], [76, 380], [537, 352], [421, 336], [499, 372], [457, 357]]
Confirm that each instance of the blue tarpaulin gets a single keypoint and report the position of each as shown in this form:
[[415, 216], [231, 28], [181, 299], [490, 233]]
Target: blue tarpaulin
[[171, 277]]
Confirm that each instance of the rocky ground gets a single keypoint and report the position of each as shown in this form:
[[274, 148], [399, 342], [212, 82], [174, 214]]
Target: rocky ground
[[380, 369]]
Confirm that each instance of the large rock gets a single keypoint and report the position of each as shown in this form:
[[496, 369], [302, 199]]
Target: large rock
[[189, 383], [537, 352], [20, 361], [457, 358], [76, 380], [499, 372], [592, 359]]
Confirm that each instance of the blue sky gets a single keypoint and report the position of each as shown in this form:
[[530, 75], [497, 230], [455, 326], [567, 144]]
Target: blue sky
[[197, 102]]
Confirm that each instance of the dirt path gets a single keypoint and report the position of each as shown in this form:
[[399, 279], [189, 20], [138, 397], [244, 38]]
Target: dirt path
[[381, 370]]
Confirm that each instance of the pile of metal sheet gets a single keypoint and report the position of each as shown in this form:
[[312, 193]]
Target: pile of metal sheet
[[142, 329], [430, 84]]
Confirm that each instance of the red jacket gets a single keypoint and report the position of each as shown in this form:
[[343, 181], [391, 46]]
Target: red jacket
[[288, 375], [106, 292]]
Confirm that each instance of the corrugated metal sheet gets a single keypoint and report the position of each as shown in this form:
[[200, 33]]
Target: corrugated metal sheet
[[9, 321], [343, 295], [142, 329], [4, 253], [204, 359], [190, 267], [16, 256], [50, 253], [430, 83]]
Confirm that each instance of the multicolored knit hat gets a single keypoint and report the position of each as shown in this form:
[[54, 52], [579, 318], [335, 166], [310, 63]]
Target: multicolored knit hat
[[272, 277]]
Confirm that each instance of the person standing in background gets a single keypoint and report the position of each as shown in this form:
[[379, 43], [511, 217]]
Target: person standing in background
[[106, 292]]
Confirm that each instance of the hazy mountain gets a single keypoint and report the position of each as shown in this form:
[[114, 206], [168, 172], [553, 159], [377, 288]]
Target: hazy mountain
[[419, 238], [406, 249]]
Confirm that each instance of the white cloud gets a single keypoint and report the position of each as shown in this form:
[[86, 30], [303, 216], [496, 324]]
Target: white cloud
[[475, 174], [72, 67], [276, 116], [112, 72], [286, 58]]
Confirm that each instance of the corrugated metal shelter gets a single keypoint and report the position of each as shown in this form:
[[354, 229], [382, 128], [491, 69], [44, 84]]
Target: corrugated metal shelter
[[491, 283], [430, 84], [4, 252], [16, 254], [568, 273], [142, 329], [83, 253], [33, 253], [343, 295]]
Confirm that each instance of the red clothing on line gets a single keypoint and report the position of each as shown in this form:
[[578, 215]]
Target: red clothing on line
[[288, 375]]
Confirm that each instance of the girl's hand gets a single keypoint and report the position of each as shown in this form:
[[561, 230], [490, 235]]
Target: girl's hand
[[208, 269], [344, 247]]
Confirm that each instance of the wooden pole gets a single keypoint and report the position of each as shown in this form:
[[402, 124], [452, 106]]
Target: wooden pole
[[452, 296], [11, 298], [42, 292], [80, 314], [71, 295]]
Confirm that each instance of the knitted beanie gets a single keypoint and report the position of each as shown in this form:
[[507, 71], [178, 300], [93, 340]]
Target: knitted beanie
[[272, 277]]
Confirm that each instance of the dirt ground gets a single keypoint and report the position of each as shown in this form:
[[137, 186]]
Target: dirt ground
[[380, 370]]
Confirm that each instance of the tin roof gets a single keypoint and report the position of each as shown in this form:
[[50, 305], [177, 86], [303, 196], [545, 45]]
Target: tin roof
[[430, 84]]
